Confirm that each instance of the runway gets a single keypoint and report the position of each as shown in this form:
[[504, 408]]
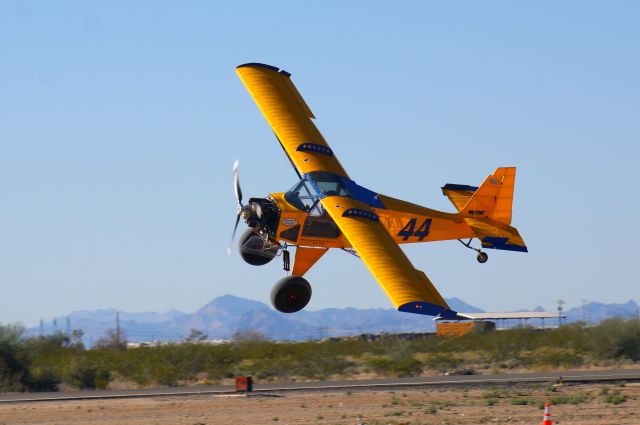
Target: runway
[[576, 376]]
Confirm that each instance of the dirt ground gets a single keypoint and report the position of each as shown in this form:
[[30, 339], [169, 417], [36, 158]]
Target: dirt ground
[[577, 404]]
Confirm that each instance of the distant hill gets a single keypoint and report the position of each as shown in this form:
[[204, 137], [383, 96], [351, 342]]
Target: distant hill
[[594, 312], [226, 315]]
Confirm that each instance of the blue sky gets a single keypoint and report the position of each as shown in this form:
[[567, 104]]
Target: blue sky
[[120, 122]]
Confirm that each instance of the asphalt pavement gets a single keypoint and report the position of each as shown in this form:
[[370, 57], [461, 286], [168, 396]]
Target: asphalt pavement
[[571, 376]]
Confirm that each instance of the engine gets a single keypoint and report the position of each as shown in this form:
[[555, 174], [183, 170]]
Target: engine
[[262, 214]]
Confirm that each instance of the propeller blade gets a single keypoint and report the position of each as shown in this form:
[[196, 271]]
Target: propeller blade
[[236, 183], [258, 210], [233, 235]]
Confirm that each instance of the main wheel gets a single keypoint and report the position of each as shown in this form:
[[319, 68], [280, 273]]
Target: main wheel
[[253, 252], [290, 294], [482, 257]]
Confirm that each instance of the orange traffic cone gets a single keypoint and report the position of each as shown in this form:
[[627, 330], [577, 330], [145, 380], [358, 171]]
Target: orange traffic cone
[[546, 419]]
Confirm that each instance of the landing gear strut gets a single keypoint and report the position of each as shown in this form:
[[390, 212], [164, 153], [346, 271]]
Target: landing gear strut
[[482, 256], [286, 261]]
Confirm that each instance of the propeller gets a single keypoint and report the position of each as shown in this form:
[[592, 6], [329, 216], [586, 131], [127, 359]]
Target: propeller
[[238, 193], [253, 209], [236, 184]]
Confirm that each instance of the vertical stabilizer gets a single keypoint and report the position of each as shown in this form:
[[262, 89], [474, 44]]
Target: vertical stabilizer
[[494, 198]]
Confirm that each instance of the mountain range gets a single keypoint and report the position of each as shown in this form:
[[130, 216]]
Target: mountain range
[[228, 314]]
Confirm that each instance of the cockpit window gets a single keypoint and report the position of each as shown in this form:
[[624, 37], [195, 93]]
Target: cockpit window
[[329, 184], [301, 196], [305, 195]]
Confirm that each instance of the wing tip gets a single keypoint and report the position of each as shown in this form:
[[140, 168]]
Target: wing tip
[[258, 65], [429, 309], [264, 66]]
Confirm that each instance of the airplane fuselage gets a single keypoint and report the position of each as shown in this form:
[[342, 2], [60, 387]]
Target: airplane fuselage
[[405, 222]]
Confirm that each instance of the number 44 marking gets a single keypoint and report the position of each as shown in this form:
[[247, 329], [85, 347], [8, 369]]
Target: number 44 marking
[[409, 229]]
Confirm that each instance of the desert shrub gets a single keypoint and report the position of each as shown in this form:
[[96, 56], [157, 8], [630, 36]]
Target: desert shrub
[[320, 366], [84, 374], [615, 398], [44, 379], [556, 357], [42, 363], [406, 366], [442, 362], [572, 399], [399, 366], [379, 365], [15, 360], [616, 339]]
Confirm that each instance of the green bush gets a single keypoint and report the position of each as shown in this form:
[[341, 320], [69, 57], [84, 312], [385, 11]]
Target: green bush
[[573, 399], [15, 361], [616, 339], [557, 357], [491, 401], [43, 363], [615, 398], [399, 367], [44, 379], [442, 362], [84, 374]]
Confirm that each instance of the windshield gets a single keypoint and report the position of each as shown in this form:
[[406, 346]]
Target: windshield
[[305, 195], [301, 196], [329, 184]]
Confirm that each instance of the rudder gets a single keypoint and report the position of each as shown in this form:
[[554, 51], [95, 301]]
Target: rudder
[[494, 198]]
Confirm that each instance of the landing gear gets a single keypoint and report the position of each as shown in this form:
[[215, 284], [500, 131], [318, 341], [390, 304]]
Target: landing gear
[[482, 256], [253, 250], [290, 294], [286, 261]]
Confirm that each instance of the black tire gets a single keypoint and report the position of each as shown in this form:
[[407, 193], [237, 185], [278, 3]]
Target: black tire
[[248, 257], [482, 257], [290, 294]]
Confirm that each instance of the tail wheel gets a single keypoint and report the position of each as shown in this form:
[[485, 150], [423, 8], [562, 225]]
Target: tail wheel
[[482, 257], [254, 252], [290, 294]]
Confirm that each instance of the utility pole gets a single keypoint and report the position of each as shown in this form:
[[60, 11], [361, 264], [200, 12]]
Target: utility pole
[[323, 332], [560, 304], [41, 328], [69, 326], [55, 325], [118, 328]]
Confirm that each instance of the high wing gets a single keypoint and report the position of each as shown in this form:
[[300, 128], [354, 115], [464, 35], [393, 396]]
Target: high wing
[[290, 118], [408, 288]]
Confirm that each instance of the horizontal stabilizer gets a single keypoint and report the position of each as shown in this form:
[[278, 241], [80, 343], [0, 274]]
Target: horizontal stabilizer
[[495, 235], [458, 194]]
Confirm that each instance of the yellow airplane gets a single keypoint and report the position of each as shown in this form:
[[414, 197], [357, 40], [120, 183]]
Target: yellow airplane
[[327, 209]]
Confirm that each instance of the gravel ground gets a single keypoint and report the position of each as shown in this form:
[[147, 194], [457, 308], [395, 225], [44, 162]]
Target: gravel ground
[[472, 405]]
